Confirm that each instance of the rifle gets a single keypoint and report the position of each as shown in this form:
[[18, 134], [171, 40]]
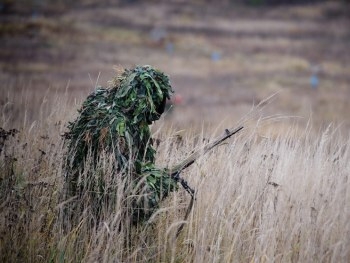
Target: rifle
[[177, 169]]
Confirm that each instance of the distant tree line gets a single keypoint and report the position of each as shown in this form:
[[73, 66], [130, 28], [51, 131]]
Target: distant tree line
[[263, 2], [57, 6], [277, 2], [244, 2]]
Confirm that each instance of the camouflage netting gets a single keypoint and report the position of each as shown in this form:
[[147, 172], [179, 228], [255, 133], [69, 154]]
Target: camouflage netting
[[116, 121]]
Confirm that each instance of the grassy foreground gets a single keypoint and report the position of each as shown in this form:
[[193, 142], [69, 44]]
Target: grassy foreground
[[259, 198]]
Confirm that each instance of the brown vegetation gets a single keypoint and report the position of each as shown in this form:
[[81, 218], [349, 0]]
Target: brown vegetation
[[278, 192]]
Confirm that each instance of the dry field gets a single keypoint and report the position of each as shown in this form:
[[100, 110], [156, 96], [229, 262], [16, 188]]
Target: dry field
[[277, 192], [258, 199]]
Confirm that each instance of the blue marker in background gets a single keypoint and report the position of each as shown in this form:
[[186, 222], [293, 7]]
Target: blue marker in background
[[314, 79]]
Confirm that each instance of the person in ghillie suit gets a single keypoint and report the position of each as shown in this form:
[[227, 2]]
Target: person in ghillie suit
[[115, 121]]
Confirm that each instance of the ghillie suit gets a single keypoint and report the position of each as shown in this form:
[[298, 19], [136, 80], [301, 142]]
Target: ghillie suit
[[115, 121]]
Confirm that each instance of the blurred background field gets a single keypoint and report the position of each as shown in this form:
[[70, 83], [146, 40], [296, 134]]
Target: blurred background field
[[222, 57], [277, 192]]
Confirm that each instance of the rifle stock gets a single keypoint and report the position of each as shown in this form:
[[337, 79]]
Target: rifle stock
[[175, 170]]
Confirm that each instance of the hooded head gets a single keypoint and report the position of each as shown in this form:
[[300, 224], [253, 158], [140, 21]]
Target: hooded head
[[142, 93]]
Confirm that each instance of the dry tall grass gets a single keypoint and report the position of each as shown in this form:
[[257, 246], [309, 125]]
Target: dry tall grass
[[259, 199]]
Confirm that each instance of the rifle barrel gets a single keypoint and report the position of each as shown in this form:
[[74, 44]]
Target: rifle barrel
[[194, 156]]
